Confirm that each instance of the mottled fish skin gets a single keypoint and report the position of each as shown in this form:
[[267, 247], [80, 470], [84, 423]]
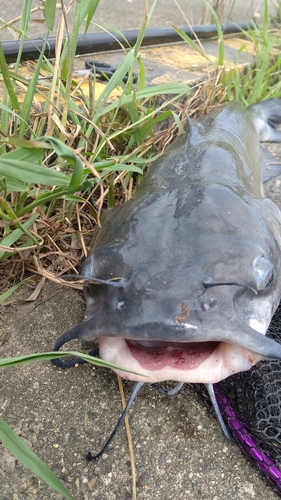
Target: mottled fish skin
[[195, 256]]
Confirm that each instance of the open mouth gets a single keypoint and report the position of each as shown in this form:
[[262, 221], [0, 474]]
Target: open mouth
[[155, 355], [194, 362]]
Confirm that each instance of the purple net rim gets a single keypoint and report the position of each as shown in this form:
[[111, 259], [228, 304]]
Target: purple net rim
[[246, 441]]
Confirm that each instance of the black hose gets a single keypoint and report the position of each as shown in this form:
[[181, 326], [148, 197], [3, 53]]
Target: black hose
[[104, 42]]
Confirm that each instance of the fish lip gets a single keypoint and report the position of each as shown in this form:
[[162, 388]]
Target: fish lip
[[210, 365], [151, 345]]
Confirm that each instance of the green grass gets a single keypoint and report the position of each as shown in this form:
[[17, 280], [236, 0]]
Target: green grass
[[61, 160], [262, 80], [71, 152], [258, 81], [24, 454]]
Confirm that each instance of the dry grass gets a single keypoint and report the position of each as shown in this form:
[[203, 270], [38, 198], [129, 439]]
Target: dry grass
[[64, 241]]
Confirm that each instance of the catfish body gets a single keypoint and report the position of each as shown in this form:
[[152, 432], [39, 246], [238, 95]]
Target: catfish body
[[190, 267]]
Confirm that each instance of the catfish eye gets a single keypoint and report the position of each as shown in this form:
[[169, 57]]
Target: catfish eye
[[264, 273]]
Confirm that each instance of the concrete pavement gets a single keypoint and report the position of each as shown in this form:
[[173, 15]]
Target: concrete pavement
[[128, 14]]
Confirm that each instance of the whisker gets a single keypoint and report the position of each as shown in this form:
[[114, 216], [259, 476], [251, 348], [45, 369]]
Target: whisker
[[118, 282], [168, 392], [210, 389], [135, 391]]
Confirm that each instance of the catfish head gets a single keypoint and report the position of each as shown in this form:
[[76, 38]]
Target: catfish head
[[182, 281]]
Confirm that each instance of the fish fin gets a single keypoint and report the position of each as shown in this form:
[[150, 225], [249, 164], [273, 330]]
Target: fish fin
[[190, 123], [270, 165], [194, 130], [266, 118]]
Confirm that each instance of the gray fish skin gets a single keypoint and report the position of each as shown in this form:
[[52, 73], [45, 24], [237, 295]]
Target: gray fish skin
[[198, 253]]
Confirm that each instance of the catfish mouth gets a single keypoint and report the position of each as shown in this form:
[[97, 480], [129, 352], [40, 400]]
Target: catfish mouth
[[154, 355], [179, 351], [191, 362]]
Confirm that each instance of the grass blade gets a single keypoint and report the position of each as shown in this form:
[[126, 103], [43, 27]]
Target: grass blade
[[5, 73], [47, 356], [173, 88], [191, 43], [16, 234], [31, 89], [9, 292], [220, 60], [115, 81], [50, 13], [32, 174], [65, 152], [28, 458], [88, 10]]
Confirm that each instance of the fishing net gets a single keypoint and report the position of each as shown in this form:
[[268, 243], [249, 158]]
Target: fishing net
[[256, 397]]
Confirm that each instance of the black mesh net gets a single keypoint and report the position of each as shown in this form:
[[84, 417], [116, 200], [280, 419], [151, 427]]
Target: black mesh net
[[256, 397]]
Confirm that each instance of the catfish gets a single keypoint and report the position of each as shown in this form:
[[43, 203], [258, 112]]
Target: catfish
[[182, 281]]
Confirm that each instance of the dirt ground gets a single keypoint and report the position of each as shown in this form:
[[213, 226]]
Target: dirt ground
[[179, 449], [180, 452]]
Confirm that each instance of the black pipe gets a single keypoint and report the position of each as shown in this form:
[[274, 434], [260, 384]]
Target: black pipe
[[104, 42]]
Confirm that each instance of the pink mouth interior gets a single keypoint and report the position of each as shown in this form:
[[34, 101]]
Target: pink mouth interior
[[183, 356]]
